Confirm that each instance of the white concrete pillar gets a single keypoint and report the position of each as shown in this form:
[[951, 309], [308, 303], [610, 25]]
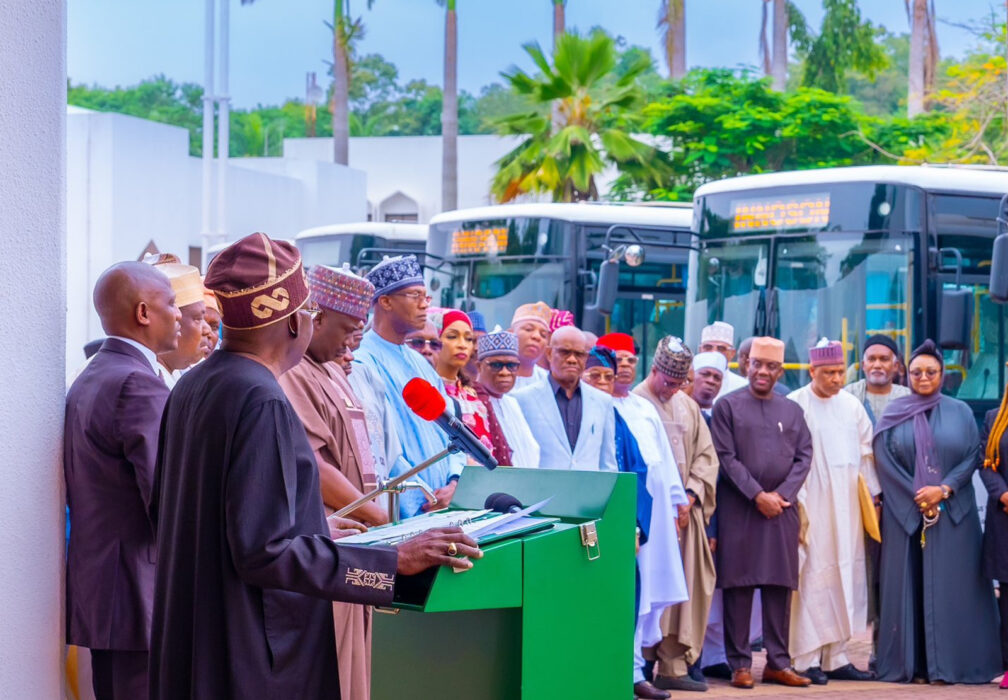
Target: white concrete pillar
[[32, 331]]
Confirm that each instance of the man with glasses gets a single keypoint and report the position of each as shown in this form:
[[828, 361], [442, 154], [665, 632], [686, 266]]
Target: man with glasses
[[720, 337], [497, 367], [426, 341], [765, 451], [573, 423], [683, 626], [400, 307]]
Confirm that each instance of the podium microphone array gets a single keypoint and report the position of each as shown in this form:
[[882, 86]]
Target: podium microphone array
[[428, 403]]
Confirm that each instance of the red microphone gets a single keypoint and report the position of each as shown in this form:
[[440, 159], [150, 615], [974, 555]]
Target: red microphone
[[428, 403]]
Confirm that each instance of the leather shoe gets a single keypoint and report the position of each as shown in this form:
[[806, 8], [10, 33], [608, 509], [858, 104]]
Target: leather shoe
[[680, 683], [816, 675], [786, 677], [648, 692], [742, 678], [849, 673]]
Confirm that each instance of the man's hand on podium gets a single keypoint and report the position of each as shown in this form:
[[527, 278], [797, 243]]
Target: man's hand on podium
[[443, 495], [437, 547], [344, 527]]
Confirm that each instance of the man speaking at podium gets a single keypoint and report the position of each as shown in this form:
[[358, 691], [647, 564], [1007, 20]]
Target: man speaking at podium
[[247, 565]]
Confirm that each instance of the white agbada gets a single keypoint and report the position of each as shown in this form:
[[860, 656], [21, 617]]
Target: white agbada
[[524, 448], [663, 582], [831, 603]]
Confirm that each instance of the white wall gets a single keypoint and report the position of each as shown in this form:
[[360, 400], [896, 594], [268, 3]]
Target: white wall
[[411, 165], [132, 181], [32, 273]]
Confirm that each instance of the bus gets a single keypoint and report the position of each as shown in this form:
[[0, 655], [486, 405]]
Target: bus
[[360, 244], [849, 252], [493, 259]]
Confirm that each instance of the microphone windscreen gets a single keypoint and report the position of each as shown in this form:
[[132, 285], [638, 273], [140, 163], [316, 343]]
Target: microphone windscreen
[[501, 502], [423, 399]]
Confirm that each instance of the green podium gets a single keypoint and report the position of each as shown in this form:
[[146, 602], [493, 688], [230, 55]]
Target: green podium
[[539, 616]]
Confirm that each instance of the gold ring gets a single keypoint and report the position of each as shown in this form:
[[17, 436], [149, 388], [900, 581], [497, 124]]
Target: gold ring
[[452, 549]]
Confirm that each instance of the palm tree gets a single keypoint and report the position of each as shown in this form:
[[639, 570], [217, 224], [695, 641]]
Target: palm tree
[[559, 20], [346, 30], [923, 55], [773, 54], [449, 111], [596, 108], [672, 23]]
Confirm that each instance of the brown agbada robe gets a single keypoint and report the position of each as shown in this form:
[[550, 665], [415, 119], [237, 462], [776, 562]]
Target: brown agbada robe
[[337, 432], [684, 625]]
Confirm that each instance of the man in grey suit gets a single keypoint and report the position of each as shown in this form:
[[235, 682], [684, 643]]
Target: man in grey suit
[[113, 416], [574, 423]]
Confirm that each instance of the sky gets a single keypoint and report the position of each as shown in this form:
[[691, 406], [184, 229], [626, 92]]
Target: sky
[[274, 43]]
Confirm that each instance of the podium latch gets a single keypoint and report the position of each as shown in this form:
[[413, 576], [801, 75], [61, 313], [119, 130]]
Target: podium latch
[[589, 538]]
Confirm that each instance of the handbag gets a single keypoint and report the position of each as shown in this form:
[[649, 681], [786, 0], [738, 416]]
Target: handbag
[[869, 517]]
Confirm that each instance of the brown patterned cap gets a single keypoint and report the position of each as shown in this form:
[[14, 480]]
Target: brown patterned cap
[[672, 357], [258, 282]]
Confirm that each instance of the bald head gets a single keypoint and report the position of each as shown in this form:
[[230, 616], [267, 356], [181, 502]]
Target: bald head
[[567, 335], [136, 301], [743, 355]]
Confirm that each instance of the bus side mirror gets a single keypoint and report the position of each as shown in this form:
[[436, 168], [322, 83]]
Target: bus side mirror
[[956, 319], [999, 270], [608, 283]]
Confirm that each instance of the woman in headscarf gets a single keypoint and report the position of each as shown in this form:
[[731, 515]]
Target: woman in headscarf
[[458, 345], [994, 461], [938, 617]]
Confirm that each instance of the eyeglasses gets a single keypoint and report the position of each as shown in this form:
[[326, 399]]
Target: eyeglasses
[[313, 310], [929, 373], [600, 375], [415, 296], [497, 366], [629, 359], [760, 364], [419, 343]]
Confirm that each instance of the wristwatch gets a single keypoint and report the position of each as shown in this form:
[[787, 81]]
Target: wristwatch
[[946, 492]]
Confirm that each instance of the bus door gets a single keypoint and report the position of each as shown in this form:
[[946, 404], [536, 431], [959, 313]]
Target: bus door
[[648, 317]]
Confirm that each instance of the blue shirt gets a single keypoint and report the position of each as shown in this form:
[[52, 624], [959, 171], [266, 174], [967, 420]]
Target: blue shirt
[[420, 439]]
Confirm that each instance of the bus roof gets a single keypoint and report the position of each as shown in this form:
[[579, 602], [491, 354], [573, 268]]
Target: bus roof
[[932, 178], [388, 230], [678, 215]]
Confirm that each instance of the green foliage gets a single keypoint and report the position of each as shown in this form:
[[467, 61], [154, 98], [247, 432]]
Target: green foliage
[[845, 42], [583, 111], [717, 124]]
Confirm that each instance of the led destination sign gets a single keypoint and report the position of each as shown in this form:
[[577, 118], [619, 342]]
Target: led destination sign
[[479, 241], [802, 211]]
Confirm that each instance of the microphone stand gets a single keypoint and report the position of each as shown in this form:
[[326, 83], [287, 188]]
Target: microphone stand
[[395, 486]]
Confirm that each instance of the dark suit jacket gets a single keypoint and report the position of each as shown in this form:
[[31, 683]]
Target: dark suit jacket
[[113, 415]]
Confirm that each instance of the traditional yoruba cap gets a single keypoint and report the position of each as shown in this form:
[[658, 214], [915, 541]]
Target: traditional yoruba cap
[[884, 340], [767, 349], [449, 317], [538, 312], [928, 348], [672, 357], [185, 279], [618, 342], [826, 352], [710, 360], [718, 332], [600, 356], [560, 318], [478, 321], [495, 344], [341, 290], [258, 281], [393, 274]]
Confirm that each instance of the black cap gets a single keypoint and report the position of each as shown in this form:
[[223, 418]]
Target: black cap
[[879, 339]]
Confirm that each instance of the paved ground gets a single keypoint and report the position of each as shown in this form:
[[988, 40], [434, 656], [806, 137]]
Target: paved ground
[[844, 689]]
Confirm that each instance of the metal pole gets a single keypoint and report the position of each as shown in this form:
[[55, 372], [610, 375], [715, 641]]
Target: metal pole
[[377, 491], [223, 123], [206, 221]]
